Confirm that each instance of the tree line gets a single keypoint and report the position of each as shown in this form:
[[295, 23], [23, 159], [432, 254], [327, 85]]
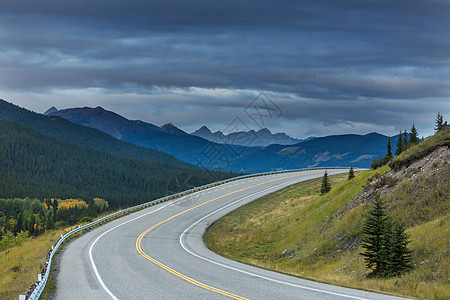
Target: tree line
[[404, 141], [30, 217]]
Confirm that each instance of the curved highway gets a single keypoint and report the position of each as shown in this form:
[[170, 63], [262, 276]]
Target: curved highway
[[158, 253]]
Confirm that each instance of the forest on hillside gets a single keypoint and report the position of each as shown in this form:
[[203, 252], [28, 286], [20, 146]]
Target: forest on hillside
[[38, 166], [35, 167]]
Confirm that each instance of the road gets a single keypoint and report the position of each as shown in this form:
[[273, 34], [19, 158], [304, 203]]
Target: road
[[158, 253]]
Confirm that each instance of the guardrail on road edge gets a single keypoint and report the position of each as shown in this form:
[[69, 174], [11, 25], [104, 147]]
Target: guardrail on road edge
[[37, 288]]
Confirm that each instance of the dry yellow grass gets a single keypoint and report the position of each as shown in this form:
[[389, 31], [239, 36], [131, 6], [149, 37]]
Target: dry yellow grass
[[20, 265], [313, 227]]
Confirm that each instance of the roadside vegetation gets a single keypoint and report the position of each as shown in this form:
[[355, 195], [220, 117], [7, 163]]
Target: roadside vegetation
[[22, 261], [300, 232], [20, 218], [20, 264]]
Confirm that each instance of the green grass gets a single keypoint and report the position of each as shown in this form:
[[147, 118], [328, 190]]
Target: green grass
[[298, 232]]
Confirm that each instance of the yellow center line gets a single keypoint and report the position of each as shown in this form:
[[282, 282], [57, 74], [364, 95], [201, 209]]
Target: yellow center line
[[178, 274]]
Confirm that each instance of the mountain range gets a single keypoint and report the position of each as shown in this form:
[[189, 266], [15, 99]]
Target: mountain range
[[252, 138], [167, 138], [64, 130], [337, 150]]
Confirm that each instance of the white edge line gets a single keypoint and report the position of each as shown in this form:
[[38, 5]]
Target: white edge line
[[249, 273], [94, 267]]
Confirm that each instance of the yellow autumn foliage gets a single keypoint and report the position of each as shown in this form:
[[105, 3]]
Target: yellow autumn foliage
[[69, 203], [102, 203]]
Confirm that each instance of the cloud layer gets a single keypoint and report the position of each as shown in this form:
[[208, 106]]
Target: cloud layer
[[331, 66]]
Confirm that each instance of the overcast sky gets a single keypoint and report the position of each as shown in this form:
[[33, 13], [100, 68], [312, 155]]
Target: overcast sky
[[324, 67]]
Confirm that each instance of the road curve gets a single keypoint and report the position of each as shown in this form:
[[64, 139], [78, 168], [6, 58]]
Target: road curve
[[158, 253]]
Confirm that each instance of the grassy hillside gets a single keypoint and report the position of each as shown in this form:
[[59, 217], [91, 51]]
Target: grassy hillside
[[39, 166], [299, 232]]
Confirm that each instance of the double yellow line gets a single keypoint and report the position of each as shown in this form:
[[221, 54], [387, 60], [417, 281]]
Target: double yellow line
[[178, 274]]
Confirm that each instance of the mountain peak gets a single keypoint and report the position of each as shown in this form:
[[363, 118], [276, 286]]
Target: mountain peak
[[50, 111], [264, 131], [168, 125], [172, 129], [202, 130]]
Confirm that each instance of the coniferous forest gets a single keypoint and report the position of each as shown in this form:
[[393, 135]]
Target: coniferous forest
[[36, 166]]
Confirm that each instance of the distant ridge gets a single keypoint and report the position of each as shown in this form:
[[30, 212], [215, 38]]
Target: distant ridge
[[252, 138], [337, 150], [167, 138]]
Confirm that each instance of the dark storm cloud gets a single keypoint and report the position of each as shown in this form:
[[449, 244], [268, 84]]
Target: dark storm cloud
[[330, 56]]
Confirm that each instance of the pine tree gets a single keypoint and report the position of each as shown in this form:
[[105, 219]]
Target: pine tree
[[439, 122], [401, 256], [326, 187], [405, 141], [389, 150], [373, 243], [50, 221], [386, 249], [351, 173], [400, 145], [386, 243], [55, 209], [413, 136]]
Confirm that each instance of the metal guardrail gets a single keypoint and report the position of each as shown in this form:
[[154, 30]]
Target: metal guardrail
[[39, 288]]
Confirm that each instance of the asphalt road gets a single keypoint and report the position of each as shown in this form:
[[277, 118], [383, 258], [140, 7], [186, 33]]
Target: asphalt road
[[158, 253]]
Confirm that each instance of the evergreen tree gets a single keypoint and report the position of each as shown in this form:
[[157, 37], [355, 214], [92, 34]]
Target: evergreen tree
[[55, 209], [326, 187], [32, 225], [376, 163], [351, 173], [400, 256], [385, 244], [50, 221], [400, 146], [405, 141], [439, 122], [413, 136], [389, 150], [386, 249], [373, 243]]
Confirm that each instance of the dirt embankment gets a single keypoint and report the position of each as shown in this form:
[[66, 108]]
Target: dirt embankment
[[419, 166]]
